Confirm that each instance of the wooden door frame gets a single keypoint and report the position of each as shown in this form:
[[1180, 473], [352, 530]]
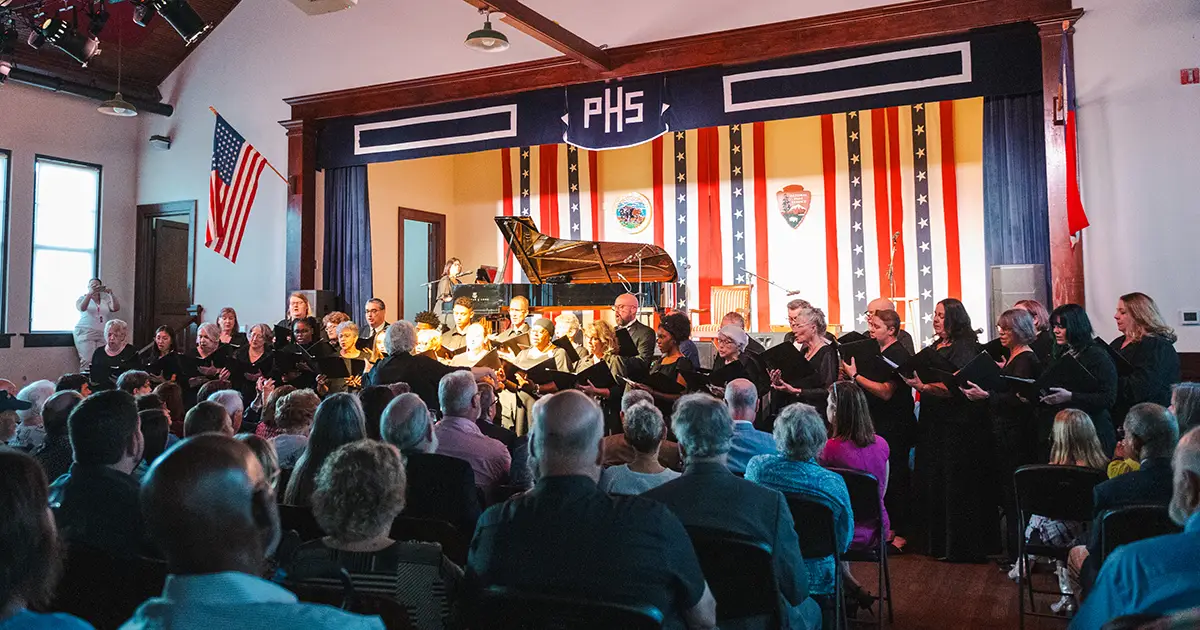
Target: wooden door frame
[[439, 223], [182, 211]]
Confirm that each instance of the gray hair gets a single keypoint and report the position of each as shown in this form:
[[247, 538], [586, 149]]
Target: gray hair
[[229, 399], [1185, 402], [643, 427], [632, 397], [741, 396], [1155, 427], [809, 313], [347, 325], [35, 393], [405, 422], [455, 392], [123, 327], [569, 319], [1019, 323], [800, 432], [401, 338], [703, 425], [207, 327], [267, 331]]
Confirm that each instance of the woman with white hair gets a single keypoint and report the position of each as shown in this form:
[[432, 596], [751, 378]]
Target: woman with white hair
[[731, 345], [808, 334], [800, 436], [31, 432], [114, 357], [95, 310], [644, 431], [212, 359], [476, 349]]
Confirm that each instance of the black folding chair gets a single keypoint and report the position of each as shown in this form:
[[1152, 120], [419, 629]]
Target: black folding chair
[[300, 518], [454, 543], [816, 529], [1132, 523], [741, 574], [1062, 493], [500, 608], [867, 506], [395, 616], [105, 590]]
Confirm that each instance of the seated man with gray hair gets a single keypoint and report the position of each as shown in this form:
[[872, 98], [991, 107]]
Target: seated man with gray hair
[[458, 436], [569, 539], [401, 366], [439, 486], [711, 497], [231, 400], [800, 435], [618, 450], [741, 396]]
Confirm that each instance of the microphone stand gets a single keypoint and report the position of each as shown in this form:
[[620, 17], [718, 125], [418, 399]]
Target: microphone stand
[[768, 281]]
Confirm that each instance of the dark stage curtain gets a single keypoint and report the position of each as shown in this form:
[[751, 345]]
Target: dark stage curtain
[[1015, 209], [347, 270]]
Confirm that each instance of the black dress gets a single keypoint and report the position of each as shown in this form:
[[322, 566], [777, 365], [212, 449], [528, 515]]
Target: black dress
[[105, 369], [671, 371], [1014, 430], [617, 365], [1096, 404], [1043, 346], [236, 341], [263, 366], [1155, 372], [168, 366], [894, 422], [953, 469], [814, 387]]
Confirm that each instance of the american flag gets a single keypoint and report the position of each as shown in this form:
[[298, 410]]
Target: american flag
[[236, 167], [1076, 218]]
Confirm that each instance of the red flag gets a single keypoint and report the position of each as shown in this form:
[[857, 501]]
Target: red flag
[[1076, 217]]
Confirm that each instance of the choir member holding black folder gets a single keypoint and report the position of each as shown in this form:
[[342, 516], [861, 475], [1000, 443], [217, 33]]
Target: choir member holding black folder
[[1147, 364], [252, 361], [957, 501], [163, 360], [298, 308], [210, 361], [541, 354], [872, 364], [475, 350], [297, 363], [803, 370], [605, 384], [732, 345], [665, 379], [1043, 345], [1081, 376], [1014, 420], [113, 358]]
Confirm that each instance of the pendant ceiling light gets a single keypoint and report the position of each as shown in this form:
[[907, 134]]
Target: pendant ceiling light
[[117, 105], [487, 39]]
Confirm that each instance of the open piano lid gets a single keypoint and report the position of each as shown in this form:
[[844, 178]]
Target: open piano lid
[[583, 262]]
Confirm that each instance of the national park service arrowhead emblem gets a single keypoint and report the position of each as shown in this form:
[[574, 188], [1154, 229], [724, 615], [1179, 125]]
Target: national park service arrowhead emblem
[[793, 204]]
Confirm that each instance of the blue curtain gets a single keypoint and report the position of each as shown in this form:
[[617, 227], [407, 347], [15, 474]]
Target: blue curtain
[[347, 270], [1015, 209]]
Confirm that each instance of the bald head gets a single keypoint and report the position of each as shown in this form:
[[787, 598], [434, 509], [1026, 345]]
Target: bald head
[[209, 508], [625, 307], [881, 304], [8, 386], [742, 399], [566, 434]]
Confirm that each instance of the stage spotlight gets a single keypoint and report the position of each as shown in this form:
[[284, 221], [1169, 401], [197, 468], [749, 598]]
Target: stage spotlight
[[37, 39], [178, 13], [66, 38], [97, 20]]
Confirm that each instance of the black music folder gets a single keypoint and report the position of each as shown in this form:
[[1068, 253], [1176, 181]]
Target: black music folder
[[598, 375], [996, 349], [335, 367], [660, 382], [852, 337], [1124, 367], [625, 345], [789, 360], [490, 360], [983, 371], [930, 366], [868, 359], [564, 342], [283, 336], [525, 368], [514, 345], [1066, 373]]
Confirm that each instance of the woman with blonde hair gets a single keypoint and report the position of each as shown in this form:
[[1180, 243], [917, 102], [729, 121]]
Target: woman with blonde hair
[[1148, 344], [298, 307]]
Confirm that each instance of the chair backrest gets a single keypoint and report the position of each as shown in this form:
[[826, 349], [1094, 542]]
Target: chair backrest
[[500, 608], [105, 590], [1058, 492], [741, 573], [300, 518], [865, 502], [814, 526], [454, 543], [395, 616], [1132, 523], [727, 299]]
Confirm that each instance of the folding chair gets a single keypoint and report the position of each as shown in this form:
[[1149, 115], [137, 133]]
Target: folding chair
[[105, 590], [1133, 523], [1058, 492], [395, 616], [867, 507], [500, 608], [816, 529], [740, 572], [454, 543], [300, 518]]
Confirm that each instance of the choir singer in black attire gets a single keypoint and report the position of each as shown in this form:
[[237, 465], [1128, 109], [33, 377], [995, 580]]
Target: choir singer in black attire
[[1073, 336], [1148, 344]]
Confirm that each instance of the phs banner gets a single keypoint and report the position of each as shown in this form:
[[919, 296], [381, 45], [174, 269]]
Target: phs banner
[[616, 114]]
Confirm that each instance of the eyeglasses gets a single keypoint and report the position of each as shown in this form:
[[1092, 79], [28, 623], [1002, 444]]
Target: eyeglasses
[[374, 310]]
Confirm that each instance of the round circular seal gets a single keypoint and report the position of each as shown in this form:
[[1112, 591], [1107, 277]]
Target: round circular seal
[[633, 212]]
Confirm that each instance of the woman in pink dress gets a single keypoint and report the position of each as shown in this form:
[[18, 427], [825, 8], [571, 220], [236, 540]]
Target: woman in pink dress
[[853, 444]]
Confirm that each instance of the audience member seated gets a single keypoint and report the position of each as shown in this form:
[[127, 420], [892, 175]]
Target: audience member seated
[[458, 435], [294, 417], [1185, 404], [1151, 433], [856, 446], [211, 387], [800, 435], [359, 492], [1157, 575], [264, 451], [644, 430], [30, 431], [567, 538], [420, 372], [172, 396], [231, 400], [96, 502], [338, 420], [29, 548], [617, 450], [207, 417], [135, 382], [76, 382], [519, 473], [439, 487], [210, 511], [374, 400], [709, 496], [741, 396], [268, 402], [156, 430], [55, 453]]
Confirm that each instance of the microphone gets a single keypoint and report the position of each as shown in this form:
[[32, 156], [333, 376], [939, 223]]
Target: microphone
[[684, 266]]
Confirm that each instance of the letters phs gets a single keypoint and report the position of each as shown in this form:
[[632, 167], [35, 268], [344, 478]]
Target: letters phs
[[604, 106]]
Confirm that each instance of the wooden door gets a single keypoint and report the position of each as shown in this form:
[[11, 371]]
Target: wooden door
[[165, 268]]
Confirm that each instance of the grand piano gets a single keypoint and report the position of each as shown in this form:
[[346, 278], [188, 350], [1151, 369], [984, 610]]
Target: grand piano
[[574, 275]]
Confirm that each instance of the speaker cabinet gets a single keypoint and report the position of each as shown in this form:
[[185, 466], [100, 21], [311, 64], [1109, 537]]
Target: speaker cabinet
[[1013, 283]]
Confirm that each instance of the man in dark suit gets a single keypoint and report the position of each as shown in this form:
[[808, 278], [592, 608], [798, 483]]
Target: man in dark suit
[[438, 487], [1151, 433], [626, 309], [708, 495], [420, 372], [377, 325]]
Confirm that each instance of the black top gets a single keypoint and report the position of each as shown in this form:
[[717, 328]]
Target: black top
[[98, 507], [442, 487], [1155, 372], [1096, 404], [262, 367], [236, 340], [906, 341], [1006, 406], [893, 418], [531, 355], [815, 387], [54, 454], [1150, 485], [307, 378], [168, 366], [566, 537], [105, 369], [420, 372], [643, 338], [955, 409], [1043, 346]]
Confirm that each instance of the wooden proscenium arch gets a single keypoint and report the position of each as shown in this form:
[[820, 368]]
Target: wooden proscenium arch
[[849, 30]]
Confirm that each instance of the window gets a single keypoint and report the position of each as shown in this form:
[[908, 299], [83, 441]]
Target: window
[[66, 236], [5, 160]]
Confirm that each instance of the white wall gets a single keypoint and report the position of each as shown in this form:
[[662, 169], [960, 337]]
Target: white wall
[[1139, 133], [34, 121]]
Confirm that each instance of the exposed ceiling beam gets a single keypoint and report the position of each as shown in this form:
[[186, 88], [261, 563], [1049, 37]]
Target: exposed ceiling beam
[[548, 32]]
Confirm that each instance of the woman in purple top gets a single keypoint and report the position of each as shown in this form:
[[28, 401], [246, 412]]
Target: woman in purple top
[[854, 445]]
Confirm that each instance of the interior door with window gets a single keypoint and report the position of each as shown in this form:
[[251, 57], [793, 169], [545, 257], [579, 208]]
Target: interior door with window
[[164, 275]]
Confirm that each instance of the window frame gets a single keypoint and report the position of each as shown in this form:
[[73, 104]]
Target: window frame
[[51, 335], [5, 234]]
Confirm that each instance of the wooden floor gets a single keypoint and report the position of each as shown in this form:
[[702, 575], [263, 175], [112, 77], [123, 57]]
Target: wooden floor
[[936, 595]]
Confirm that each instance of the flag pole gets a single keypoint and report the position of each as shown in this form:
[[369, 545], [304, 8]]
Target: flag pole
[[285, 180]]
